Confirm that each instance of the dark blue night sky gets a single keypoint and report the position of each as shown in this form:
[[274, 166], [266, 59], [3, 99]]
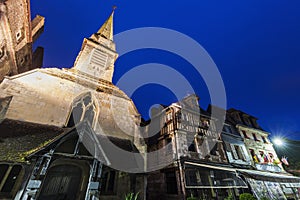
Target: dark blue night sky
[[255, 44]]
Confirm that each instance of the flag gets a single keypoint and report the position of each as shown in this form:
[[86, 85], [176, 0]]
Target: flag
[[266, 158], [255, 159], [276, 161], [284, 161]]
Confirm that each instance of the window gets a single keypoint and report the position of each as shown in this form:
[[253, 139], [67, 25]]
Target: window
[[11, 179], [271, 158], [227, 146], [3, 170], [205, 123], [108, 182], [239, 152], [168, 116], [83, 109], [247, 122], [214, 149], [254, 137], [254, 156], [169, 149], [62, 182], [264, 139], [262, 156], [227, 129], [2, 52], [171, 183], [192, 147], [234, 153], [237, 117], [8, 179], [254, 123], [245, 134], [19, 35]]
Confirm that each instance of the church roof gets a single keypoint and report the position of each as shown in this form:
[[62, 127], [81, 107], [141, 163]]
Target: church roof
[[20, 139], [106, 29]]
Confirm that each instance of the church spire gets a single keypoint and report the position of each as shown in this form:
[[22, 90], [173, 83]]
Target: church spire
[[106, 29], [98, 53]]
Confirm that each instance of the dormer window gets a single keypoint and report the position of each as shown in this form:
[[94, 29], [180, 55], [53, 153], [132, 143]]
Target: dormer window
[[227, 129], [237, 117], [247, 122], [254, 123]]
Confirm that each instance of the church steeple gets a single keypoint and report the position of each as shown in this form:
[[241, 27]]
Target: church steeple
[[98, 53], [107, 29]]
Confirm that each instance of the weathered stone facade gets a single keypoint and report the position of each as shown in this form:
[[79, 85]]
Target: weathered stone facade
[[17, 34]]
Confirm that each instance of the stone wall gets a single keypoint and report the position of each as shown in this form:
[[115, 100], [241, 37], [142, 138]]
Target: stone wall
[[16, 37]]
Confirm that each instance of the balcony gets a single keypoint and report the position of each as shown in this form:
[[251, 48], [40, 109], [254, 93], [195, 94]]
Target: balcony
[[268, 167]]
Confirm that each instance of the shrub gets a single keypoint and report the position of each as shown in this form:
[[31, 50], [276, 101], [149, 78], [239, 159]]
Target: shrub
[[191, 198], [131, 196], [230, 197], [246, 196]]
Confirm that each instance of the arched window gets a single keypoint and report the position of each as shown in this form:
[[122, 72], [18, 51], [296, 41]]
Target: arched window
[[84, 108]]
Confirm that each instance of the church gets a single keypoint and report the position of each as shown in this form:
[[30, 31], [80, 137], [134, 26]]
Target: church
[[62, 128]]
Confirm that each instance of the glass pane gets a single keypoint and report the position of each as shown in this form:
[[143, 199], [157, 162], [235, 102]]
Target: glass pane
[[61, 182], [3, 169], [11, 179]]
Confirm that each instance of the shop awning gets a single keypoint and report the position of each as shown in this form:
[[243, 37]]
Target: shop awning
[[201, 176], [269, 176]]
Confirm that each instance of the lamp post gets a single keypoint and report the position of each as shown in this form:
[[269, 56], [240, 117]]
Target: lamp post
[[278, 142]]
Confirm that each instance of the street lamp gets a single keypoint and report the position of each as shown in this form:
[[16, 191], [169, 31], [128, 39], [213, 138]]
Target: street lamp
[[278, 142]]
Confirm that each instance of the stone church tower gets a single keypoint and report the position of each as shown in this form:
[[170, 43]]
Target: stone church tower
[[98, 53], [66, 97], [17, 34]]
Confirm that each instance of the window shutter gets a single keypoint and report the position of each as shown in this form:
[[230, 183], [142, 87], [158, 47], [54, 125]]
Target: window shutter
[[235, 156]]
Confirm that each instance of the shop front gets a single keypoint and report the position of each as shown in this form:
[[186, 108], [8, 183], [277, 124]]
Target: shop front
[[212, 182], [272, 185]]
